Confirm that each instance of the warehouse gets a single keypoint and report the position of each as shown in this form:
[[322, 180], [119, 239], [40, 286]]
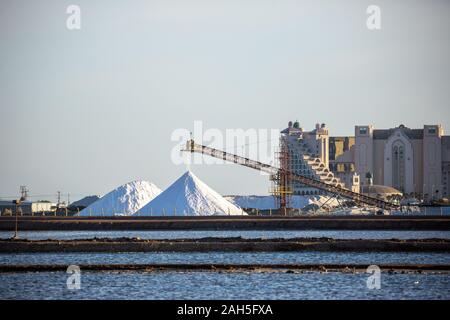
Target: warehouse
[[27, 207]]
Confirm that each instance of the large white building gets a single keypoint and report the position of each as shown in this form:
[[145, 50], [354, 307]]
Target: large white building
[[308, 155], [410, 160], [413, 161]]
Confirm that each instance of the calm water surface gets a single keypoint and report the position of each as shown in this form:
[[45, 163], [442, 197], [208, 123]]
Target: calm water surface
[[223, 285], [226, 257], [213, 285]]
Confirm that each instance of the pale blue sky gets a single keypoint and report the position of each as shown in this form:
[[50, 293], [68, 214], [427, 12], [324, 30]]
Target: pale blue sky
[[84, 111]]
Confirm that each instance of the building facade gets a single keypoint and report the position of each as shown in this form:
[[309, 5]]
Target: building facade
[[414, 161], [307, 154], [341, 160], [27, 207]]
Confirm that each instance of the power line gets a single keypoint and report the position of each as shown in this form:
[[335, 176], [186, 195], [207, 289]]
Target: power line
[[42, 195]]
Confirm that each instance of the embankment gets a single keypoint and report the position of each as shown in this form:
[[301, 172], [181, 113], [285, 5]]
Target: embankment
[[234, 244], [228, 223]]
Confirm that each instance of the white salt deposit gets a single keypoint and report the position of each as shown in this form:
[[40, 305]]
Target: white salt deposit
[[124, 200], [268, 202], [189, 196]]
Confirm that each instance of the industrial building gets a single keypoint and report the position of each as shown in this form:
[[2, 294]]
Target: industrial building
[[27, 207]]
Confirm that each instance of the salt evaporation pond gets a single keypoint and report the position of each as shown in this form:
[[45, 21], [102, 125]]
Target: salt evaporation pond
[[213, 285], [368, 258], [225, 285]]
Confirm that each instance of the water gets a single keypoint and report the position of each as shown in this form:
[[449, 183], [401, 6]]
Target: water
[[225, 285], [213, 285], [226, 257], [336, 234]]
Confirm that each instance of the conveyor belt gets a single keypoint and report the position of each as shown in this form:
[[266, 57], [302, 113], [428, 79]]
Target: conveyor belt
[[359, 198]]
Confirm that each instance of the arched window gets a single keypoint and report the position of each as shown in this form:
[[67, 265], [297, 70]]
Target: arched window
[[398, 166]]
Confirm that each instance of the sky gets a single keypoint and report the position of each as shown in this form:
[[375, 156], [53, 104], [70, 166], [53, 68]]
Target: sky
[[84, 111]]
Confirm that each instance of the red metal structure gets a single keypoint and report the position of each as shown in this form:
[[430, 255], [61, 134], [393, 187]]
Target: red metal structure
[[282, 179]]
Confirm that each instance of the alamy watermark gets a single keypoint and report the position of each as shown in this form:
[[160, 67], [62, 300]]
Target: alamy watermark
[[74, 280], [256, 144], [73, 21], [374, 280], [373, 21]]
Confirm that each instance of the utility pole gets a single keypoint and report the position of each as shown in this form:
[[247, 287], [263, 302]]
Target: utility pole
[[58, 195], [16, 234], [23, 193], [23, 197], [58, 203]]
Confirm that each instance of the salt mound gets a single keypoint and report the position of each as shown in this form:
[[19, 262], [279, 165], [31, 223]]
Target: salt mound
[[84, 202], [269, 202], [124, 200], [189, 196]]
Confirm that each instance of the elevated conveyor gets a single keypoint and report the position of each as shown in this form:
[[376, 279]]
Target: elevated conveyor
[[361, 199]]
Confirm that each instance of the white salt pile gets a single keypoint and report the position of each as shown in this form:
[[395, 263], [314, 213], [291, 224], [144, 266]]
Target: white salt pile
[[269, 202], [124, 200], [189, 196]]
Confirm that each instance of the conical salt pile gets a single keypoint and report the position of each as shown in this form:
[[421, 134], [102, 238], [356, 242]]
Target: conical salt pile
[[189, 196], [124, 200]]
